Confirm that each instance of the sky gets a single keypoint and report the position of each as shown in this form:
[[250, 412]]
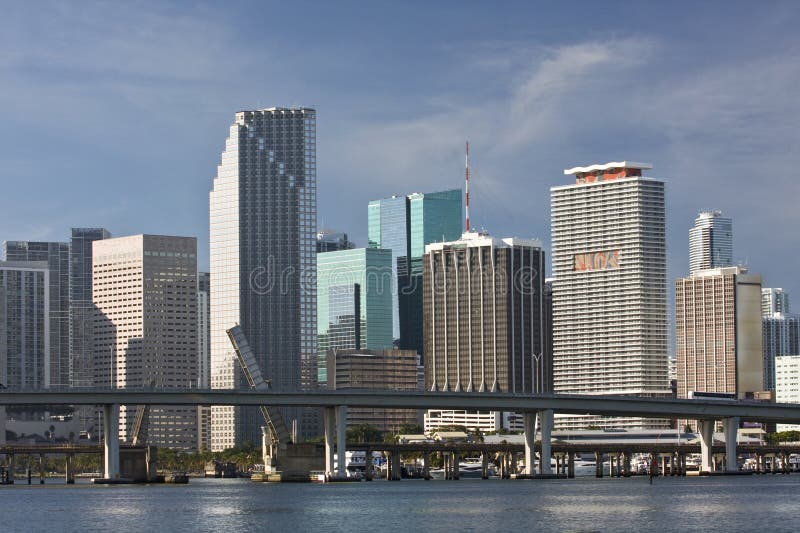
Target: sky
[[115, 114]]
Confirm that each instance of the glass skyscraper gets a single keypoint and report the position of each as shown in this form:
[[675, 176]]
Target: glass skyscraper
[[263, 224], [405, 225], [354, 295], [710, 242]]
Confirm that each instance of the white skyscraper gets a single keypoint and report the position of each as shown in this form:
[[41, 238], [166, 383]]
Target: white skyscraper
[[710, 242], [609, 291], [263, 222]]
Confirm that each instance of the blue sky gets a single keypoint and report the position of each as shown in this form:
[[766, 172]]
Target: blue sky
[[115, 114]]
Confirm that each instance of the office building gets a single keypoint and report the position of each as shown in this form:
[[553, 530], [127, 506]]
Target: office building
[[718, 332], [144, 288], [378, 370], [203, 357], [263, 225], [609, 288], [354, 302], [332, 241], [787, 384], [405, 225], [56, 255], [774, 300], [710, 242], [780, 336], [81, 309]]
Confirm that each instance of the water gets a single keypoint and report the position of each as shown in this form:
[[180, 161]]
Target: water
[[739, 503]]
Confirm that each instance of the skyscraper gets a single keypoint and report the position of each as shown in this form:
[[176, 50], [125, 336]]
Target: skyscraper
[[56, 255], [263, 218], [354, 301], [484, 317], [144, 288], [609, 287], [710, 242], [718, 332], [780, 336], [774, 300], [332, 241], [81, 309], [405, 225], [203, 333]]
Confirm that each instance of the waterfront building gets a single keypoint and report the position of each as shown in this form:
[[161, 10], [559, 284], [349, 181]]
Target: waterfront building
[[774, 300], [609, 288], [332, 241], [354, 302], [405, 225], [56, 255], [203, 357], [710, 242], [787, 384], [81, 309], [780, 336], [263, 224], [718, 332], [378, 370], [483, 421], [144, 288]]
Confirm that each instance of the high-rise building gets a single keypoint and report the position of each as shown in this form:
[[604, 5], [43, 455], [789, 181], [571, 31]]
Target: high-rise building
[[774, 300], [609, 287], [379, 370], [787, 384], [56, 255], [483, 316], [718, 332], [81, 309], [780, 336], [405, 225], [332, 241], [203, 357], [263, 222], [144, 288], [25, 328], [354, 302], [710, 242]]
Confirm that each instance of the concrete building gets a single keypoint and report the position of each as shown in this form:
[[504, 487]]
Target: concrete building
[[609, 288], [710, 242], [375, 370], [787, 384], [56, 255], [263, 225], [203, 357], [332, 241], [354, 302], [483, 421], [81, 309], [144, 288], [405, 225], [774, 300], [780, 336], [718, 332]]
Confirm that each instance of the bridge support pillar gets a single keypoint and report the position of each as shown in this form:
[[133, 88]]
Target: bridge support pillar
[[111, 448], [571, 465], [456, 466], [341, 441], [546, 423], [41, 469], [664, 465], [329, 420], [626, 464], [368, 465], [426, 466], [529, 420], [598, 464], [706, 445], [69, 473], [396, 473], [485, 465], [731, 430], [11, 468]]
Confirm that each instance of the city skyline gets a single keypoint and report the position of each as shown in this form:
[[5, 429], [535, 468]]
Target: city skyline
[[713, 135]]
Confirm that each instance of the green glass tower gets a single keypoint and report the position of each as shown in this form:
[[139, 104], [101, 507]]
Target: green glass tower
[[354, 302], [404, 225]]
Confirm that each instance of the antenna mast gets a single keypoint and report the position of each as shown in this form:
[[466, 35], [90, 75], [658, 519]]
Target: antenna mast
[[466, 174]]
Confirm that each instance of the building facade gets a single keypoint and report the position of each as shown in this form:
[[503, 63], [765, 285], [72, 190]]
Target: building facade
[[405, 225], [774, 300], [718, 332], [354, 302], [787, 384], [263, 225], [780, 336], [333, 241], [710, 242], [609, 287], [56, 255], [378, 370], [144, 288]]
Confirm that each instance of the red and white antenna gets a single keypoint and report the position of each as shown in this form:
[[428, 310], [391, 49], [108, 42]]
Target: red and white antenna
[[467, 188]]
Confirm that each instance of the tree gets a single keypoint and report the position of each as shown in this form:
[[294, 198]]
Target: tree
[[364, 433]]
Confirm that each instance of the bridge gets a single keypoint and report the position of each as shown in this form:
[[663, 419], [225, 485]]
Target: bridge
[[537, 410]]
